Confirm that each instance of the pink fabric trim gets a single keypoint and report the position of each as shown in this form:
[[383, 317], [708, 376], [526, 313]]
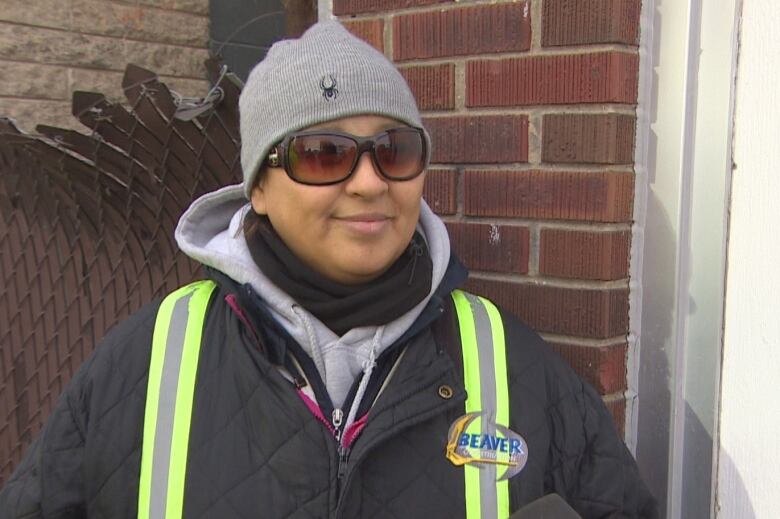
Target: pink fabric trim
[[349, 435], [316, 411], [355, 428], [233, 303], [231, 300], [354, 431]]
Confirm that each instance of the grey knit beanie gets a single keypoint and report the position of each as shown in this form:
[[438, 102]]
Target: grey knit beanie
[[326, 74]]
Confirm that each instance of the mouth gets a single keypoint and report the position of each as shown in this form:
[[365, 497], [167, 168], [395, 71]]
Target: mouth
[[364, 217], [365, 223]]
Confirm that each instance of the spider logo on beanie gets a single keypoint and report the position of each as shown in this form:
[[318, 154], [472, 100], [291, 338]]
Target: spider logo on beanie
[[328, 86]]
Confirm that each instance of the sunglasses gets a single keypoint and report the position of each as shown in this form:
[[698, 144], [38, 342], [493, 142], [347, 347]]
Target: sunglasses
[[321, 158]]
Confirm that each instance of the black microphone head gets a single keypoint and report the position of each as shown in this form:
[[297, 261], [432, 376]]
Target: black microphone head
[[551, 506]]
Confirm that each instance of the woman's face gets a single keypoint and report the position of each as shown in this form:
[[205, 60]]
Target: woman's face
[[350, 232]]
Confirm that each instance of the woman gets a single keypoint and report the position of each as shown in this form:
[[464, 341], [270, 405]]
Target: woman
[[334, 357]]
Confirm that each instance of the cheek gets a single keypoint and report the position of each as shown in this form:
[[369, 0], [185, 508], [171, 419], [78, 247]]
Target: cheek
[[408, 198], [299, 211]]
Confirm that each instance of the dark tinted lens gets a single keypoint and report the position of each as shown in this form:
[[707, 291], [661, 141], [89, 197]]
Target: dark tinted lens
[[400, 153], [320, 159]]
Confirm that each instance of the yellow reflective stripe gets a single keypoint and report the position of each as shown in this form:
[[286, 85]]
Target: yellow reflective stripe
[[159, 341], [468, 339], [473, 384], [200, 293], [502, 391], [184, 397]]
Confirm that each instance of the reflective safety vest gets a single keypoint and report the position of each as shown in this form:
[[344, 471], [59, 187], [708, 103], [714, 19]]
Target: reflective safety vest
[[171, 388]]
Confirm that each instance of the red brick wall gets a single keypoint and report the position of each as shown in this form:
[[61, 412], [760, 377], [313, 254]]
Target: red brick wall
[[531, 107]]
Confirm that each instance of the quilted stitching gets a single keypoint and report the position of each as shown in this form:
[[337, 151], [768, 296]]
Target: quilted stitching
[[256, 451]]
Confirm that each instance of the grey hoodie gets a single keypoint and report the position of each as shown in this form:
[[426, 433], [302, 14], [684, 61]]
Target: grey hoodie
[[211, 232]]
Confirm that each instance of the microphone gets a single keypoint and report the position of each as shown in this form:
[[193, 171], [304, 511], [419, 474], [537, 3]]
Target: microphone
[[551, 506]]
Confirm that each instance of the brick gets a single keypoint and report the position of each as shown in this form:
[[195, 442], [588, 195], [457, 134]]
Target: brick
[[603, 367], [580, 312], [341, 7], [481, 29], [603, 77], [107, 82], [192, 6], [583, 254], [555, 195], [139, 23], [491, 247], [617, 408], [370, 31], [22, 43], [433, 86], [479, 139], [299, 16], [588, 138], [582, 22], [50, 13], [65, 15], [160, 4], [440, 190], [33, 80], [30, 112], [167, 59]]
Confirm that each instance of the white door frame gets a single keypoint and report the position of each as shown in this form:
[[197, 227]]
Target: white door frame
[[683, 164]]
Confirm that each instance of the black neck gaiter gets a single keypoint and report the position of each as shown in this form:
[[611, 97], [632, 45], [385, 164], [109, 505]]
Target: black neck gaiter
[[341, 307]]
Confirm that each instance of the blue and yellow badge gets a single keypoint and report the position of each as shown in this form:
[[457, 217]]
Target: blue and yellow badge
[[474, 439]]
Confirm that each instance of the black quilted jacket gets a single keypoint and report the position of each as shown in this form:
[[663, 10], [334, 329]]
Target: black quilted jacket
[[256, 450]]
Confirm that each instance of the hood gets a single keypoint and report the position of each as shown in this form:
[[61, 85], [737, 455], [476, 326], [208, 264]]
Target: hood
[[211, 232]]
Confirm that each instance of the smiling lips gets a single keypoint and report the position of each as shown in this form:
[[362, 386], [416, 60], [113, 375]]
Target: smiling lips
[[366, 223]]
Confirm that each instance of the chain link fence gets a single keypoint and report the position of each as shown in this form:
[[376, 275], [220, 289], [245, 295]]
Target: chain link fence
[[86, 229]]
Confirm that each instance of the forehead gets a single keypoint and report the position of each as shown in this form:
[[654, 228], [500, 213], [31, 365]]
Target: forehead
[[359, 124]]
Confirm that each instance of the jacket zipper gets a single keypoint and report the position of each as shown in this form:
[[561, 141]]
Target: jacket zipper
[[337, 415], [342, 481], [334, 426], [343, 461], [338, 418]]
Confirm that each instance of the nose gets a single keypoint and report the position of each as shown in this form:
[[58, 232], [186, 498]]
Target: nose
[[366, 181]]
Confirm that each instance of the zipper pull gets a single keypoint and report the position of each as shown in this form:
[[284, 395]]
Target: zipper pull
[[336, 418], [343, 455]]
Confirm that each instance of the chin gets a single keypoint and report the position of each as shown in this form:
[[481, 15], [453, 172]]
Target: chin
[[363, 273]]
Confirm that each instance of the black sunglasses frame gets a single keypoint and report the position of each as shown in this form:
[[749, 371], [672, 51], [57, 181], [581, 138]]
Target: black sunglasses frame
[[279, 155]]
